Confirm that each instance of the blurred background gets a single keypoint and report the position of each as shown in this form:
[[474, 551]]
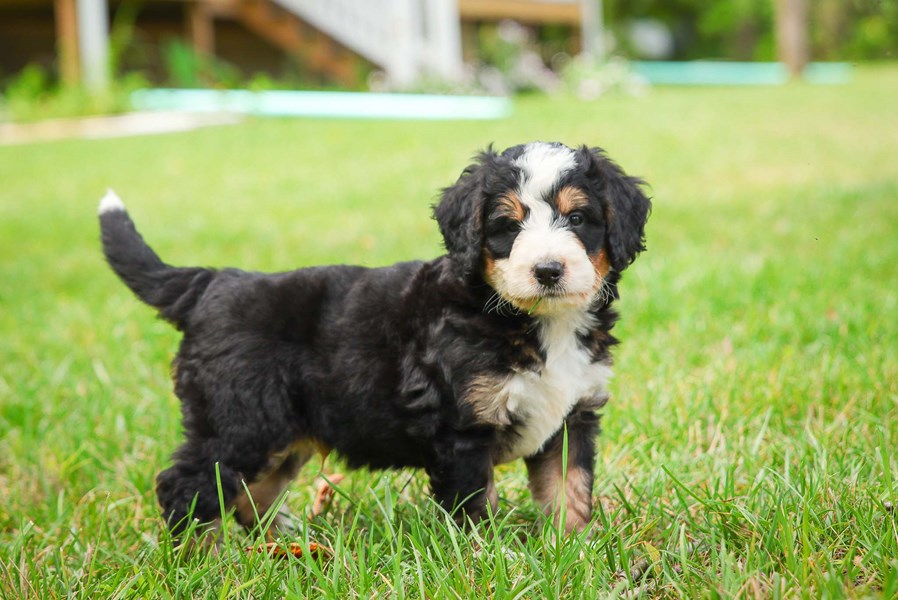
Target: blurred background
[[77, 57]]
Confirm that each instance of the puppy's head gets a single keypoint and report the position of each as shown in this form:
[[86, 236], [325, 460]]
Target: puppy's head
[[543, 224]]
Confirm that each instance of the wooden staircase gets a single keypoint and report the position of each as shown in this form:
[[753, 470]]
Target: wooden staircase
[[314, 50], [338, 38]]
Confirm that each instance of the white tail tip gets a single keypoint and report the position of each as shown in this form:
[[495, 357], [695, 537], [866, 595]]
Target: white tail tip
[[110, 202]]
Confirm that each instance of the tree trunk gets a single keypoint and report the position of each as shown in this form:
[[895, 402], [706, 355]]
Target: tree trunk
[[792, 35], [67, 41]]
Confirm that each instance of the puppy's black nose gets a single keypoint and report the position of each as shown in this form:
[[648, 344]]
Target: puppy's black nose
[[548, 273]]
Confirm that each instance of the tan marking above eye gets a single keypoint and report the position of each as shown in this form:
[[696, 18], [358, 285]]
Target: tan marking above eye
[[570, 198], [510, 205]]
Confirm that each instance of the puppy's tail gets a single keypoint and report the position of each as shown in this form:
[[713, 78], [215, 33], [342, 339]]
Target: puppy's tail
[[173, 291]]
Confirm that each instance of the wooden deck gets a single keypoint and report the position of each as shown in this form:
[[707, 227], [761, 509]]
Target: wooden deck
[[535, 12]]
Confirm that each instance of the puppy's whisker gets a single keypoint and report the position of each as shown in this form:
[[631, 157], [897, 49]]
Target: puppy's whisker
[[500, 306], [506, 308], [607, 292], [493, 303]]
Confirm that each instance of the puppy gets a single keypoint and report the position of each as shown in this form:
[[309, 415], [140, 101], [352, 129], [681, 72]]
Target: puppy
[[498, 350]]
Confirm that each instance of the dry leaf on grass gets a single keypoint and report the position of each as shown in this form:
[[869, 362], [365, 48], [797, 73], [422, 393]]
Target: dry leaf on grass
[[291, 549]]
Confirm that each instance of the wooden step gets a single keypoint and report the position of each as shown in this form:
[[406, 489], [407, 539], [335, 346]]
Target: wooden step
[[314, 50]]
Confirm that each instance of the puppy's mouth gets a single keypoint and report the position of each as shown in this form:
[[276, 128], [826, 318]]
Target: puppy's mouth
[[553, 291], [548, 301]]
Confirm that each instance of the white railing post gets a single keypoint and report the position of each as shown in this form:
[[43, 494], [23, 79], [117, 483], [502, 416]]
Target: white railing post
[[444, 43], [404, 37], [401, 69], [592, 29], [93, 43]]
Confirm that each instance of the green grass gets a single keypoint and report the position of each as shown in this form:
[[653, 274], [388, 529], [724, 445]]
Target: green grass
[[750, 445]]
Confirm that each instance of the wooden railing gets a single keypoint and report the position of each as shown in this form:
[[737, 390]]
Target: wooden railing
[[407, 38]]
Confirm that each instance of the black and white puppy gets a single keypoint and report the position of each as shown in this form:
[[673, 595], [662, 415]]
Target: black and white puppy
[[487, 354]]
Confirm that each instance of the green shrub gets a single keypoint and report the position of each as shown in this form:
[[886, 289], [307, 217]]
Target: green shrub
[[33, 95]]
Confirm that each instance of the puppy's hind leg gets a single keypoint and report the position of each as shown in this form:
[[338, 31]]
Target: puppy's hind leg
[[238, 415], [189, 489], [254, 503]]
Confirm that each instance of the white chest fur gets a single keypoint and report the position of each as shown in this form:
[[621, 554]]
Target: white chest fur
[[540, 401]]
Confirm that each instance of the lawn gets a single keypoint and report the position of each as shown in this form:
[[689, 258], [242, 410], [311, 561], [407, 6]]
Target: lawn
[[750, 445]]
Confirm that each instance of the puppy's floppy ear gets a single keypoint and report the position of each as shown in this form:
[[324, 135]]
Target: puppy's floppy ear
[[459, 213], [626, 207]]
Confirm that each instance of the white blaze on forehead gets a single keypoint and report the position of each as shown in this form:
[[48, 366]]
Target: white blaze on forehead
[[542, 166]]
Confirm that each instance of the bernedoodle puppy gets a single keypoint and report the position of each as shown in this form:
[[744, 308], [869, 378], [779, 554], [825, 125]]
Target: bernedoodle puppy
[[498, 350]]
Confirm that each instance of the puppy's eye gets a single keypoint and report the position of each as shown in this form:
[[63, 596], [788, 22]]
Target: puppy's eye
[[576, 219], [512, 226]]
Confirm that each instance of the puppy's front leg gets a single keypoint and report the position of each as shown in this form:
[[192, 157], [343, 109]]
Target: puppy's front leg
[[461, 478], [556, 484]]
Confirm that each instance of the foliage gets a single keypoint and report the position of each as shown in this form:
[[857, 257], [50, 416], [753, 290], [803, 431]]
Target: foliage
[[744, 29], [511, 60], [855, 29], [33, 95], [185, 68], [720, 29], [589, 78], [749, 447]]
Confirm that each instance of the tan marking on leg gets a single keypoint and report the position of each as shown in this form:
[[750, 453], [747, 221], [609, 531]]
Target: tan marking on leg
[[492, 495], [267, 488], [570, 198], [206, 538], [260, 498], [578, 499], [545, 479], [325, 494], [550, 493]]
